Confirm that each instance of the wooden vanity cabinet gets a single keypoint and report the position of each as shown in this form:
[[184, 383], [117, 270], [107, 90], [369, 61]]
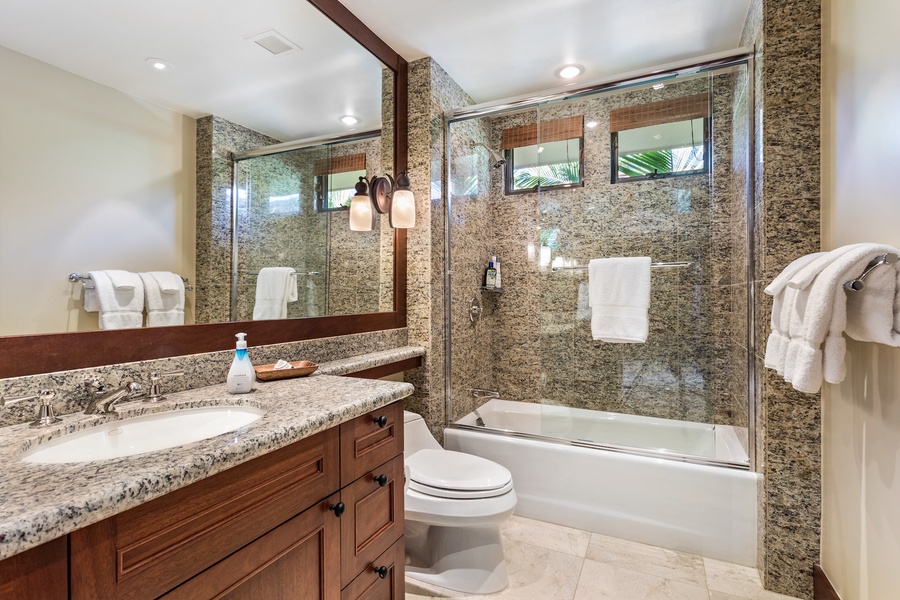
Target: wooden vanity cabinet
[[279, 526]]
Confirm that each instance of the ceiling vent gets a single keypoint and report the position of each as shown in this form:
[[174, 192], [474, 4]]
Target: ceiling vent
[[274, 42]]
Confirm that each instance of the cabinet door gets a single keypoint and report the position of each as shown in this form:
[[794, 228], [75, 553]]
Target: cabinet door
[[382, 580], [148, 550], [370, 440], [40, 573], [373, 519], [297, 561]]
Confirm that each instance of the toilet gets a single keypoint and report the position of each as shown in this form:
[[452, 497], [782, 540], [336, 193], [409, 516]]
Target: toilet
[[455, 503]]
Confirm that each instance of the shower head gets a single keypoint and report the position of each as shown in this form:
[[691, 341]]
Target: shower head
[[499, 161]]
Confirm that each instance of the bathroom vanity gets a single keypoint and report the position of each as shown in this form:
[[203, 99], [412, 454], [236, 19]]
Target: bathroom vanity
[[316, 511]]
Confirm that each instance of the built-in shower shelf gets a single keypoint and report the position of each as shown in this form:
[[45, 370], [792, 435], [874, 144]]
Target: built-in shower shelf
[[492, 290]]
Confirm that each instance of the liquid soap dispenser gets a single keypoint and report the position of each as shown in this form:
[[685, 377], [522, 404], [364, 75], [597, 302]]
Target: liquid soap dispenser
[[241, 374]]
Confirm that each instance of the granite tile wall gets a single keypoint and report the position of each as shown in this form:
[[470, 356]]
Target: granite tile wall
[[217, 141], [199, 370], [351, 266], [539, 326], [431, 93], [786, 37]]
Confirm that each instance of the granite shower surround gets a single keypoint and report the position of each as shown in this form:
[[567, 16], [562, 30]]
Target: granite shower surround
[[200, 370], [787, 41], [217, 142], [431, 93], [538, 326]]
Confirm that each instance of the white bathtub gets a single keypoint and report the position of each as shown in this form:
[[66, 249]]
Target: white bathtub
[[702, 509]]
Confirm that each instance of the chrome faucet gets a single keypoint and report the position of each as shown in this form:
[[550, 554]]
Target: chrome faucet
[[104, 404]]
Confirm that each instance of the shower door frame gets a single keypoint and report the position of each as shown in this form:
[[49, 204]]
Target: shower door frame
[[739, 56]]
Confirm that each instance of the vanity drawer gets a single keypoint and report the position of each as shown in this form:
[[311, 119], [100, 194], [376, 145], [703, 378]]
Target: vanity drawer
[[373, 518], [150, 549], [370, 440], [298, 559], [369, 585]]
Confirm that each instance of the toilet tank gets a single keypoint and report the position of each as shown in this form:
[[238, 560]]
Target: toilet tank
[[416, 435]]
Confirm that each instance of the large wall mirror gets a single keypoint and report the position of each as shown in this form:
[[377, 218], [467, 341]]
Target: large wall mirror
[[110, 161]]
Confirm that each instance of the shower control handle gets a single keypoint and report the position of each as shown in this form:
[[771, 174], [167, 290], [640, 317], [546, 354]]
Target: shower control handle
[[381, 479], [382, 571], [381, 421], [338, 509]]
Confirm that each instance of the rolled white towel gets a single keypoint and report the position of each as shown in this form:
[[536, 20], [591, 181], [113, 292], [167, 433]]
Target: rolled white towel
[[119, 308], [123, 280], [169, 283]]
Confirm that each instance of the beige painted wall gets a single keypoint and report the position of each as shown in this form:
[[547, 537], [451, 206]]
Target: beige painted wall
[[90, 178], [861, 202]]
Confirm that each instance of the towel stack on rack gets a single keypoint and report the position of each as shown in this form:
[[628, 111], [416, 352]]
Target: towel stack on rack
[[817, 300], [120, 297]]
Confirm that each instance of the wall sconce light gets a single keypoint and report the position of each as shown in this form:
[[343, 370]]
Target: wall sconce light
[[395, 199], [362, 217]]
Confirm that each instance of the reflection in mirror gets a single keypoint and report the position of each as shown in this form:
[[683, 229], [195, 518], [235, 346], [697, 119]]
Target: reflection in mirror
[[109, 164], [282, 223]]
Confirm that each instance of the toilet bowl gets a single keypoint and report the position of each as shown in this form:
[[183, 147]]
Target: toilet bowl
[[455, 503]]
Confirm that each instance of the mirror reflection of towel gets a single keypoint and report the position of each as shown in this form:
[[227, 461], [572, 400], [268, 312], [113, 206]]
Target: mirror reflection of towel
[[275, 287]]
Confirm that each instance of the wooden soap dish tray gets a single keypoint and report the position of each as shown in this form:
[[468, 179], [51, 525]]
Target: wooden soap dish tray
[[301, 368]]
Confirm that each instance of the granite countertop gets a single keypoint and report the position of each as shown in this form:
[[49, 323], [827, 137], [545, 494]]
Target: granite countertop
[[39, 503]]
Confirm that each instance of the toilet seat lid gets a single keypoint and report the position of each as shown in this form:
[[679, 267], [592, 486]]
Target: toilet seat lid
[[459, 471]]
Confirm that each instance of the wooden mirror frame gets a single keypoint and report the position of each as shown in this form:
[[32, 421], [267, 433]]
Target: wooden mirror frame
[[33, 354]]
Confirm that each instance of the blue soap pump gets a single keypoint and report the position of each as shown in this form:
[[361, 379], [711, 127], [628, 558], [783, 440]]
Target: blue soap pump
[[241, 375]]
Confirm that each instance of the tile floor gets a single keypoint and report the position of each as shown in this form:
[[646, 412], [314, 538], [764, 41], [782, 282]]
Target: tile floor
[[551, 562]]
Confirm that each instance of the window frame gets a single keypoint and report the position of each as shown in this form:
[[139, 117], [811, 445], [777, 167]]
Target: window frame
[[508, 180], [614, 158], [322, 192]]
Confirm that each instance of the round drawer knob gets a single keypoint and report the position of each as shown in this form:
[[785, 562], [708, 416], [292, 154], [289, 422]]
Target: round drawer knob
[[338, 509], [381, 480], [382, 571], [381, 421]]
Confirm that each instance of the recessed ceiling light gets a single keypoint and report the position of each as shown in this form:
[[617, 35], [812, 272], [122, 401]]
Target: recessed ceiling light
[[591, 124], [349, 120], [657, 136], [570, 71], [658, 86], [159, 64], [540, 149]]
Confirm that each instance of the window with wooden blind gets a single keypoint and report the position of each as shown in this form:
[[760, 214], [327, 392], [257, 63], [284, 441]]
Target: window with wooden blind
[[544, 155], [660, 139], [336, 178]]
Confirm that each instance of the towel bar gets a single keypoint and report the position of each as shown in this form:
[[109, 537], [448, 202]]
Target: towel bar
[[75, 278], [295, 273], [859, 283], [678, 263]]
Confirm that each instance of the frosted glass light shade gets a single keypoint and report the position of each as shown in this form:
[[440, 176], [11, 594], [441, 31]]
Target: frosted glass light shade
[[403, 210], [362, 215]]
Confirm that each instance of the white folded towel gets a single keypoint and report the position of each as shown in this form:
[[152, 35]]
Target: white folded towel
[[818, 352], [162, 308], [275, 287], [119, 308], [619, 291], [123, 280], [784, 297], [169, 283]]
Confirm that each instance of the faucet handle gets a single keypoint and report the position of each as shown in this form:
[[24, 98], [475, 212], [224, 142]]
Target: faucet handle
[[94, 383], [45, 416], [155, 394]]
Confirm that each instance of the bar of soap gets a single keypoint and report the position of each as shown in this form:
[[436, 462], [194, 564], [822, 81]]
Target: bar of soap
[[282, 364]]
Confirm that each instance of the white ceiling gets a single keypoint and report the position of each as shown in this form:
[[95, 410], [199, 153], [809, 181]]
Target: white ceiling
[[500, 48], [493, 49], [216, 70]]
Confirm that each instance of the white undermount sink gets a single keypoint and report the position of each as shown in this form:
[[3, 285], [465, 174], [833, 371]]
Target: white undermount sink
[[146, 433]]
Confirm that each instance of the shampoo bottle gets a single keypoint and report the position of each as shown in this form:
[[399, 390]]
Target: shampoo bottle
[[496, 262], [490, 276], [241, 374]]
